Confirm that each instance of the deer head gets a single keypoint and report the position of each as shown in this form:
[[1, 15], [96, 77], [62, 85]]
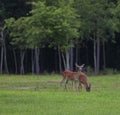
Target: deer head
[[80, 67], [88, 88]]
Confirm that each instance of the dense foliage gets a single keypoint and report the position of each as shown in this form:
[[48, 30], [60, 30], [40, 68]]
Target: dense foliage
[[51, 35]]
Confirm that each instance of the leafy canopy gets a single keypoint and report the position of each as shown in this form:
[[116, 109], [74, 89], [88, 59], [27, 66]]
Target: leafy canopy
[[55, 25]]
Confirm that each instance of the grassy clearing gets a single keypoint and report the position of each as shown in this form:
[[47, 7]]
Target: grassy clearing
[[42, 95]]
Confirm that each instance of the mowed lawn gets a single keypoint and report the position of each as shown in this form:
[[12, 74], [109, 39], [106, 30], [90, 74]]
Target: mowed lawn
[[42, 95]]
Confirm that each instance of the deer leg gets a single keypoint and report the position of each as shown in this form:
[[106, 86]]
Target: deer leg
[[76, 85], [73, 85], [80, 86], [62, 81], [66, 85]]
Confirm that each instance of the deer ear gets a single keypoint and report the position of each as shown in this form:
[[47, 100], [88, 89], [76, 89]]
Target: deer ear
[[82, 65], [76, 64]]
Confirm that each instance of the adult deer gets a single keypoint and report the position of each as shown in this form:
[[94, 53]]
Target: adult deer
[[76, 76], [68, 74]]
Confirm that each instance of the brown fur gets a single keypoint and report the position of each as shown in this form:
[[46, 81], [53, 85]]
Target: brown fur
[[76, 76]]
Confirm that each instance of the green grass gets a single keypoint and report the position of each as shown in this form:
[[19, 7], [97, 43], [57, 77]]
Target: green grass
[[42, 95]]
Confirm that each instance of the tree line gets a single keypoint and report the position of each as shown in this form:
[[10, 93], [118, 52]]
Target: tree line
[[69, 31]]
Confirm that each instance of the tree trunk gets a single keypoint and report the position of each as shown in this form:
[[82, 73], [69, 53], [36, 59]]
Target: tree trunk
[[4, 51], [15, 59], [95, 61], [87, 56], [71, 58], [22, 55], [76, 59], [1, 61], [97, 55], [64, 61], [5, 59], [60, 62], [104, 59], [33, 61], [67, 59], [37, 52]]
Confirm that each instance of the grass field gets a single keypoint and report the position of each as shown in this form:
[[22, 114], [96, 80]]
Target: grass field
[[42, 95]]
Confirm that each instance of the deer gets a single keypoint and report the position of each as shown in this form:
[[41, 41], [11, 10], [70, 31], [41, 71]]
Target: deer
[[68, 72], [76, 76], [68, 75]]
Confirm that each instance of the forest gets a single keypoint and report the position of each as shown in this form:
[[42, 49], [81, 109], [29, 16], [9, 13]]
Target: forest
[[39, 36]]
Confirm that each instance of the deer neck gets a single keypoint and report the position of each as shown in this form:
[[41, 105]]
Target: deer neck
[[79, 72]]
